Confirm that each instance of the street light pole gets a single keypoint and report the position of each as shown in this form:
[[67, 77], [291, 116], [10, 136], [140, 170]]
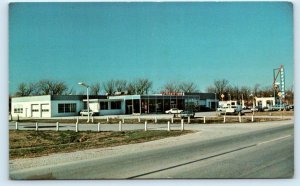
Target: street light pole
[[87, 96], [215, 101]]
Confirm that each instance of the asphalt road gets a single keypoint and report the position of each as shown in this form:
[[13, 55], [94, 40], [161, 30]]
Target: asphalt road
[[266, 153]]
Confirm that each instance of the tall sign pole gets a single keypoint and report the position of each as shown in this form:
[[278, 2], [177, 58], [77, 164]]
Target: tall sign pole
[[279, 83]]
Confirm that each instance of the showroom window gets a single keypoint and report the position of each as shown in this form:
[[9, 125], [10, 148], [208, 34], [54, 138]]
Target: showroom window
[[66, 107]]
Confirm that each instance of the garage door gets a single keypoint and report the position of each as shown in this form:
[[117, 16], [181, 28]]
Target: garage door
[[45, 110], [35, 110]]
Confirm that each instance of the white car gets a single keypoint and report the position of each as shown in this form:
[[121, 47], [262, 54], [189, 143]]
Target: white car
[[174, 111], [85, 113]]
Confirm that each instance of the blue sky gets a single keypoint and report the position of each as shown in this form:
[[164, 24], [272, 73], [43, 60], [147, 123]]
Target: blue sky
[[198, 42]]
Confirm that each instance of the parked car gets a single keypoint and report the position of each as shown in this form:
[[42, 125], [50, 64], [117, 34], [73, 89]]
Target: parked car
[[230, 110], [173, 111], [187, 113], [85, 112], [255, 109]]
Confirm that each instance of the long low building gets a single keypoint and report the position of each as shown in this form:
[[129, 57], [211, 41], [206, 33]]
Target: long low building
[[48, 106]]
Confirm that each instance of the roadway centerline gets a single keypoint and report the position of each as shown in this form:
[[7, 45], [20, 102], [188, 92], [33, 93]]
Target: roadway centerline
[[276, 139], [187, 163]]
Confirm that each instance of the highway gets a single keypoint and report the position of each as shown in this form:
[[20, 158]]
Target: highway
[[264, 153]]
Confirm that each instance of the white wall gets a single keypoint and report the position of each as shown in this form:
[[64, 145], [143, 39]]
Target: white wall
[[264, 101], [25, 103]]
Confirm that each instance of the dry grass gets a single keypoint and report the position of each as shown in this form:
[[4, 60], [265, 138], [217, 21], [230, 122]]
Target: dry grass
[[25, 144]]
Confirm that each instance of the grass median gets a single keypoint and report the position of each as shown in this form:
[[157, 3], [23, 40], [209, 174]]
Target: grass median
[[27, 144]]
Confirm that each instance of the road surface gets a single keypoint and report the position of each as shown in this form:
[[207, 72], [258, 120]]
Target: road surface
[[264, 153]]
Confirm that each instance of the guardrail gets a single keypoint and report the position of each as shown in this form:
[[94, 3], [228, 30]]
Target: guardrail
[[121, 122]]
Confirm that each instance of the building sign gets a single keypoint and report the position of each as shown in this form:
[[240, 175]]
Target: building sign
[[172, 93], [279, 81]]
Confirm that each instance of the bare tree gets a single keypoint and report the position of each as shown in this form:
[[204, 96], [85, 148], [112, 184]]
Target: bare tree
[[143, 86], [187, 87], [211, 89], [131, 88], [95, 89], [220, 86], [256, 89], [121, 85], [171, 87], [25, 89], [50, 87], [109, 87]]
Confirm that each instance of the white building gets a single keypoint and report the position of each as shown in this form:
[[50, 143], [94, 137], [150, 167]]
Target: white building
[[48, 106], [265, 102], [45, 106]]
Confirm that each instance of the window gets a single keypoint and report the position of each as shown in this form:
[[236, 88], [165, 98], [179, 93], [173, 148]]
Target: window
[[18, 110], [103, 105], [115, 105], [66, 107]]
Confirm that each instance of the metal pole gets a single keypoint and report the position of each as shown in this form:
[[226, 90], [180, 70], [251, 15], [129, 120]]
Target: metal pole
[[88, 103], [139, 119], [204, 119], [240, 119], [252, 119], [36, 126], [189, 120], [123, 120], [168, 125], [155, 119], [224, 121], [172, 120], [76, 127], [215, 101], [145, 125], [17, 126]]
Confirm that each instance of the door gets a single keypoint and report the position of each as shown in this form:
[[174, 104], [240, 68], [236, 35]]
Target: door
[[35, 110], [45, 110]]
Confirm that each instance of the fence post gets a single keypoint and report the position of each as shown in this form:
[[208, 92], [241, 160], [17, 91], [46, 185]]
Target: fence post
[[189, 120], [120, 126], [145, 125], [57, 126], [98, 126], [36, 126], [76, 127], [168, 125], [17, 126], [182, 125], [224, 121], [204, 120]]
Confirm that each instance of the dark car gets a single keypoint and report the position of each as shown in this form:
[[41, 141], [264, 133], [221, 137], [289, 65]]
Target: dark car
[[187, 113]]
